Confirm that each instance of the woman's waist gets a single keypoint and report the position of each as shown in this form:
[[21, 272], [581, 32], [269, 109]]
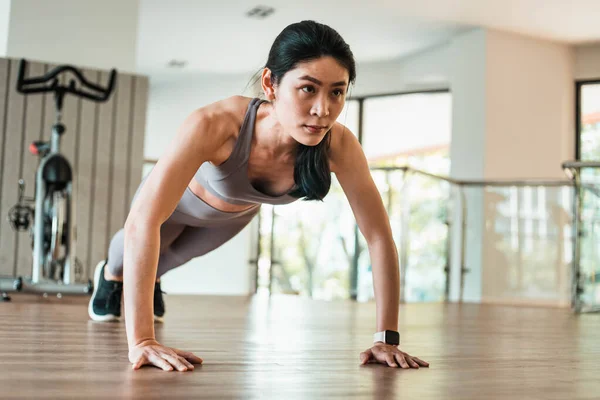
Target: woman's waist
[[214, 201]]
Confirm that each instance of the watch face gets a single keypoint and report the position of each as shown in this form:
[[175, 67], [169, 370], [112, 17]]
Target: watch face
[[392, 337]]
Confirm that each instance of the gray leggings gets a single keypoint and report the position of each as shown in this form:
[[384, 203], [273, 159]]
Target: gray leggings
[[194, 229]]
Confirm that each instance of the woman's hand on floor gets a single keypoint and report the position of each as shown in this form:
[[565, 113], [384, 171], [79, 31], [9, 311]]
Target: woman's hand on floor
[[150, 352], [391, 355]]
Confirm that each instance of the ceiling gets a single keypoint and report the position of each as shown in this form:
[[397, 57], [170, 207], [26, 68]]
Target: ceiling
[[217, 37]]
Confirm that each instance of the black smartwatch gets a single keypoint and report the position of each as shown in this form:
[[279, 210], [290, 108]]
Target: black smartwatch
[[387, 337]]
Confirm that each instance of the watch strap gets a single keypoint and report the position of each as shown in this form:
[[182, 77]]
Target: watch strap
[[387, 336]]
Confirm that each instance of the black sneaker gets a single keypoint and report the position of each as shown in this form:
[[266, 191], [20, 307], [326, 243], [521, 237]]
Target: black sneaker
[[105, 304], [159, 304]]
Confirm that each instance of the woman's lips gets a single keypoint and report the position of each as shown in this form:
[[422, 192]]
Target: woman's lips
[[315, 128]]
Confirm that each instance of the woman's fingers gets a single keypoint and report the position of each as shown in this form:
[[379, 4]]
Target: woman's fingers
[[175, 361], [191, 357], [365, 356], [185, 362], [163, 357], [392, 356], [389, 358], [410, 361], [140, 362], [401, 359], [421, 362], [160, 362], [156, 360]]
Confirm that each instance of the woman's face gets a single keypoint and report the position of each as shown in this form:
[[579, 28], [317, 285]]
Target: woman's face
[[309, 98]]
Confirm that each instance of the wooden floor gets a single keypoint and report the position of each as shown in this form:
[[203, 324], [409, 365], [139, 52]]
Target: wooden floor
[[292, 348]]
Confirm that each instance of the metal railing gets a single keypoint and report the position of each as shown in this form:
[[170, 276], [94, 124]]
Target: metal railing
[[572, 170]]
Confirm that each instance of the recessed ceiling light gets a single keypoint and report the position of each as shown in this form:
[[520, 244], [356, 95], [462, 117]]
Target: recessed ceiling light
[[260, 12], [177, 64]]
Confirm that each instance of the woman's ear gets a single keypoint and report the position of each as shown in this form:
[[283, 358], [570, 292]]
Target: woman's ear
[[267, 84]]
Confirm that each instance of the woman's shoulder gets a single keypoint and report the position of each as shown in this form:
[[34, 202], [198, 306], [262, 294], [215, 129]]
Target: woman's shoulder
[[222, 122], [340, 134], [223, 118], [230, 109], [341, 138]]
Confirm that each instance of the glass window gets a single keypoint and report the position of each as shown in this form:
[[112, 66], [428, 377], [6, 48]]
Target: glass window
[[314, 242], [409, 129], [589, 119], [589, 150]]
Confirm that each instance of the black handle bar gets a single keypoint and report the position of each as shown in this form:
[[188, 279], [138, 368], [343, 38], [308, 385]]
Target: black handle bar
[[102, 95]]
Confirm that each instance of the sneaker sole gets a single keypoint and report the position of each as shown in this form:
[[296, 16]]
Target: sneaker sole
[[94, 316]]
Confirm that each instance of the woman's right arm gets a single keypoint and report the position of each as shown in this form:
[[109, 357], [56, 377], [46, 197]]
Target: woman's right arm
[[196, 141]]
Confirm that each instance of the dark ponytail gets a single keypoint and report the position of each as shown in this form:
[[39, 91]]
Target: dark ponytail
[[311, 170], [300, 42]]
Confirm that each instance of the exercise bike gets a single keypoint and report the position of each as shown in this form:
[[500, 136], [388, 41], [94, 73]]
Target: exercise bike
[[52, 210]]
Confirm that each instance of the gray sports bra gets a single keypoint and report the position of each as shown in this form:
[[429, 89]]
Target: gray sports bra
[[229, 181]]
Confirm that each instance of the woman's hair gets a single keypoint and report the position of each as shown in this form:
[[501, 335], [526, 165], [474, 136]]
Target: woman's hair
[[297, 43]]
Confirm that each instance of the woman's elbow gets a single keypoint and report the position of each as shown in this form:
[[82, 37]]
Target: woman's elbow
[[136, 223], [381, 239]]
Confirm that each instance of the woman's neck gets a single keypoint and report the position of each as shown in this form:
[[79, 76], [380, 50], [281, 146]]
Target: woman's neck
[[270, 136]]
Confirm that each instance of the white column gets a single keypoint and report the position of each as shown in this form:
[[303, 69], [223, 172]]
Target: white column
[[467, 77], [513, 118], [530, 132]]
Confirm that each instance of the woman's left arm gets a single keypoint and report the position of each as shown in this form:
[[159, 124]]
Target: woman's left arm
[[350, 165]]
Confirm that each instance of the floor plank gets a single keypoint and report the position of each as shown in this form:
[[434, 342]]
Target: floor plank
[[294, 348]]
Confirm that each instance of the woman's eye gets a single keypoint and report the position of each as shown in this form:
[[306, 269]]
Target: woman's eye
[[338, 93], [308, 89]]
